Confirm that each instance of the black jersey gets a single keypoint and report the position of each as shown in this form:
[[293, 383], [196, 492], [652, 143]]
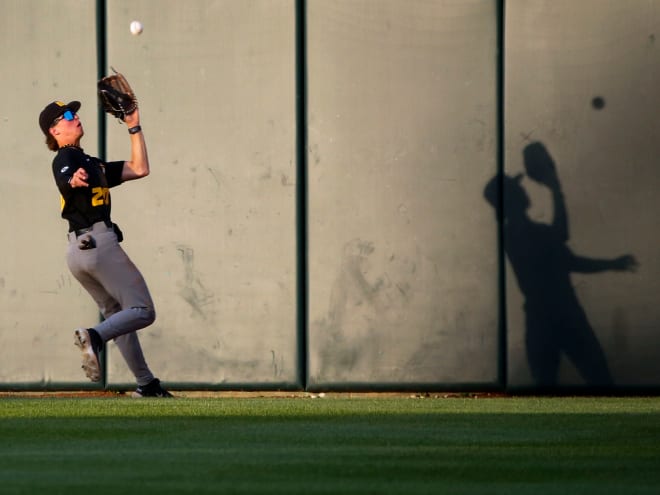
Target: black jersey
[[84, 206]]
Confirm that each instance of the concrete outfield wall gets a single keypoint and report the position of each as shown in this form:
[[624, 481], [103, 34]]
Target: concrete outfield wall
[[213, 227], [582, 79], [402, 136], [48, 52], [402, 140]]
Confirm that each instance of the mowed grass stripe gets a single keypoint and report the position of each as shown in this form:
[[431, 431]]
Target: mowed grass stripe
[[336, 445]]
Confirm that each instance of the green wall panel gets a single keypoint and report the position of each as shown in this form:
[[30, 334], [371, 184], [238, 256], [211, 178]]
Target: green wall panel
[[213, 226], [582, 81], [402, 100], [48, 52]]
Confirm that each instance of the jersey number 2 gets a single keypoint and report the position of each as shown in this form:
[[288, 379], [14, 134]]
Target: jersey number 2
[[101, 196]]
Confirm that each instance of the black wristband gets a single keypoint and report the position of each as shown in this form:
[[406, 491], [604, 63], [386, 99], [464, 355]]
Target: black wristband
[[135, 130]]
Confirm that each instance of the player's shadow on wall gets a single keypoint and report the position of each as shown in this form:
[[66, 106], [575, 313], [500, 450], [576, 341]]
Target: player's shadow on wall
[[555, 321]]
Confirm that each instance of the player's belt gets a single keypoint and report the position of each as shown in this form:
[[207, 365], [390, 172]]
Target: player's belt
[[86, 230]]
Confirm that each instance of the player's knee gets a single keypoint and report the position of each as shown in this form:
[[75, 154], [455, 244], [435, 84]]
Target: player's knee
[[146, 316], [150, 316]]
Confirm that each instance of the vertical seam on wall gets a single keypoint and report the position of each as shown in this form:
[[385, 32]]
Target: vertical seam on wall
[[101, 50], [502, 323], [101, 57], [302, 276]]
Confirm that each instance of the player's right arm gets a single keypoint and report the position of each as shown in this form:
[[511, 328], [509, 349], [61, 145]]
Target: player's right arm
[[68, 172]]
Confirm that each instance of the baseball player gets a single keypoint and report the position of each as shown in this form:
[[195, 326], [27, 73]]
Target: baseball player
[[94, 255]]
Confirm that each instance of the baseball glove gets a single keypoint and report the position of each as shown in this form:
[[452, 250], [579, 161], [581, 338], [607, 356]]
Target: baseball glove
[[116, 96]]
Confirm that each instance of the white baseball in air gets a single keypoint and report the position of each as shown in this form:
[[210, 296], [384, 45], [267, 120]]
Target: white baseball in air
[[136, 28]]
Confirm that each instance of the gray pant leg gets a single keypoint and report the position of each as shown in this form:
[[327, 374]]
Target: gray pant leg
[[131, 351], [120, 292]]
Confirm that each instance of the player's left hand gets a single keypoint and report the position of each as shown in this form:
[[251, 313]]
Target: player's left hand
[[79, 178]]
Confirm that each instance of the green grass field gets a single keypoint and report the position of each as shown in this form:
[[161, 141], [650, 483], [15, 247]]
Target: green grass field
[[334, 445]]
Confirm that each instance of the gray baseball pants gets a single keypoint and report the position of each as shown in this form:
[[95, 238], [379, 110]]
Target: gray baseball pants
[[117, 286]]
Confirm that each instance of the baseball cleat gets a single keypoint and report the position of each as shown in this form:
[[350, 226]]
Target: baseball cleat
[[151, 389], [90, 356]]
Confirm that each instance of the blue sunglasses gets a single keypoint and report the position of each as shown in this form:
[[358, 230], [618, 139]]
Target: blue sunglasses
[[68, 116]]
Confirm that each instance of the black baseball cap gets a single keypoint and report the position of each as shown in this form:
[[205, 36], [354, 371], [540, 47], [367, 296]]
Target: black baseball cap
[[54, 110]]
